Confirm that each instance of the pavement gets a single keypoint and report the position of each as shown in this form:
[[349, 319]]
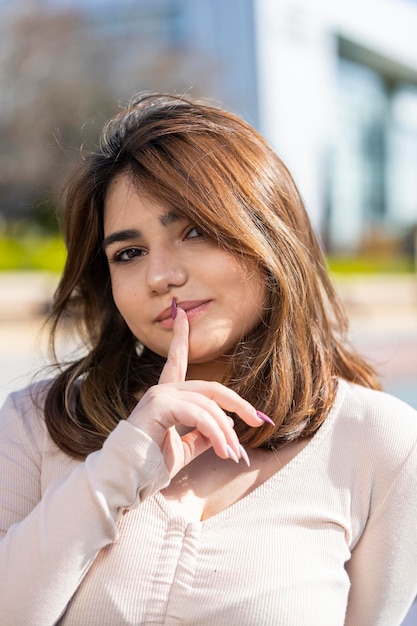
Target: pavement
[[383, 320], [24, 299]]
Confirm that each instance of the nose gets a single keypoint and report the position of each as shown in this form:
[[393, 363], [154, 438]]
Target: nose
[[164, 270]]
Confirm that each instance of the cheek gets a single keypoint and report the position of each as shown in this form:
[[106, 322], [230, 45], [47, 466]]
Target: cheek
[[252, 291], [124, 299], [117, 294], [256, 297]]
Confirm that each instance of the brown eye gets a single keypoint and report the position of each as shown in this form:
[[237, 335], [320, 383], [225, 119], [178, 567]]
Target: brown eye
[[126, 255]]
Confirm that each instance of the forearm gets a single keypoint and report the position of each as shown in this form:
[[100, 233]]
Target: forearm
[[44, 556]]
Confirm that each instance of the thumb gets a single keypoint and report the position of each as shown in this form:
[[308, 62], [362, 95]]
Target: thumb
[[180, 451], [175, 368]]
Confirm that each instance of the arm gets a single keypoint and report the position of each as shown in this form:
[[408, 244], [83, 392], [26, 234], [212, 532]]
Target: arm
[[51, 539], [48, 543], [383, 566]]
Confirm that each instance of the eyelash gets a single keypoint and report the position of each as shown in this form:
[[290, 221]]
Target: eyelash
[[117, 258], [199, 231]]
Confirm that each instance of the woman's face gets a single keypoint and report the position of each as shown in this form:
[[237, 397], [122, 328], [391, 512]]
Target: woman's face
[[154, 256]]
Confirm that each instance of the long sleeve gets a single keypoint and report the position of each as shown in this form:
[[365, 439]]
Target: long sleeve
[[50, 539], [330, 538], [383, 565]]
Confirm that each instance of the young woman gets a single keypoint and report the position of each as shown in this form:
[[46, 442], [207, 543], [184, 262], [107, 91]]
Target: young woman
[[219, 455]]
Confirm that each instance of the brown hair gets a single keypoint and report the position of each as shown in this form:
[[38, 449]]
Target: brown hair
[[218, 171]]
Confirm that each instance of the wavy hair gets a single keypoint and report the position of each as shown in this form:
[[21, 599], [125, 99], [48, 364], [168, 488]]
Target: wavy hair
[[216, 170]]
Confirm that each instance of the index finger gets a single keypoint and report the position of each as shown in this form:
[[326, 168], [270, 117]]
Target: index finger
[[175, 368]]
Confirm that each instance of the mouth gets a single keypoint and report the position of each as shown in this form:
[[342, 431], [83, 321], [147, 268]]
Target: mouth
[[191, 307]]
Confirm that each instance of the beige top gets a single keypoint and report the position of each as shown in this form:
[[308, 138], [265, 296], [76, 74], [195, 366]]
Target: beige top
[[330, 539]]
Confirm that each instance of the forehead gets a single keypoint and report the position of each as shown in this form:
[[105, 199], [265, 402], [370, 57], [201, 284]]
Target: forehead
[[125, 202]]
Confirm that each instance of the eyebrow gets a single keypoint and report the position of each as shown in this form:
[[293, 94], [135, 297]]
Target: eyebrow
[[170, 217], [120, 235]]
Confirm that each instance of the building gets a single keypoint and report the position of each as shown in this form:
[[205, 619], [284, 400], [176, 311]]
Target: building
[[332, 85], [337, 90]]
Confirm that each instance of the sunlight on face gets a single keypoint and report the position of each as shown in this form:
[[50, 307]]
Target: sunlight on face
[[155, 255]]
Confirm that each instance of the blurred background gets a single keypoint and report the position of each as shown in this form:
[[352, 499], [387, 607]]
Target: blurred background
[[332, 86]]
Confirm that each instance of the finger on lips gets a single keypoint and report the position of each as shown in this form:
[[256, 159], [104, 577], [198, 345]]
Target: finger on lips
[[175, 368], [212, 398]]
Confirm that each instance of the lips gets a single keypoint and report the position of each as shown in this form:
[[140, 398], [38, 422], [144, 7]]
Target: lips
[[166, 314], [186, 305]]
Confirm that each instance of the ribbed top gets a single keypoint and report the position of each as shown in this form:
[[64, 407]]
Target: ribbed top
[[328, 540]]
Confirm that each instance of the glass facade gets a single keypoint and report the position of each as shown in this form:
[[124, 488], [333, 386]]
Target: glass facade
[[401, 181], [373, 165]]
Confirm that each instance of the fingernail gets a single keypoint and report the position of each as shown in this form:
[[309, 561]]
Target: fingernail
[[173, 308], [264, 418], [232, 454], [244, 455]]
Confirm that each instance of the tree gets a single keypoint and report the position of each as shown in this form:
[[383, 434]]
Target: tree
[[53, 79], [63, 72]]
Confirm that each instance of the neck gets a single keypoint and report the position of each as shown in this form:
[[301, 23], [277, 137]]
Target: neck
[[215, 370]]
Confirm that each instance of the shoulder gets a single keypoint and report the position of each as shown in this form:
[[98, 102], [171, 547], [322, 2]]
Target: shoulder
[[376, 415], [21, 416], [28, 398], [374, 437]]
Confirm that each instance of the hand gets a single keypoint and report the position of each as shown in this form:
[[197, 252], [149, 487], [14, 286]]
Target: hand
[[198, 405]]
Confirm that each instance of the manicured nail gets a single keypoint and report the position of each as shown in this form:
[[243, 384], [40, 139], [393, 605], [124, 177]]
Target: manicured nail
[[244, 455], [264, 418], [232, 454], [173, 308]]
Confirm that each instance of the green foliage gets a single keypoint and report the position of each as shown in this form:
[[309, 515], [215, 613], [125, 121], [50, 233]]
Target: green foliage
[[372, 264], [32, 252], [26, 249]]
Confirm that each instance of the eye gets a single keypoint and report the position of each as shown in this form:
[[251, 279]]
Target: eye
[[194, 233], [126, 255]]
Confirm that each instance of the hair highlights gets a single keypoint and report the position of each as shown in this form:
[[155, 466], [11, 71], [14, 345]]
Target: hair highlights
[[219, 172]]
